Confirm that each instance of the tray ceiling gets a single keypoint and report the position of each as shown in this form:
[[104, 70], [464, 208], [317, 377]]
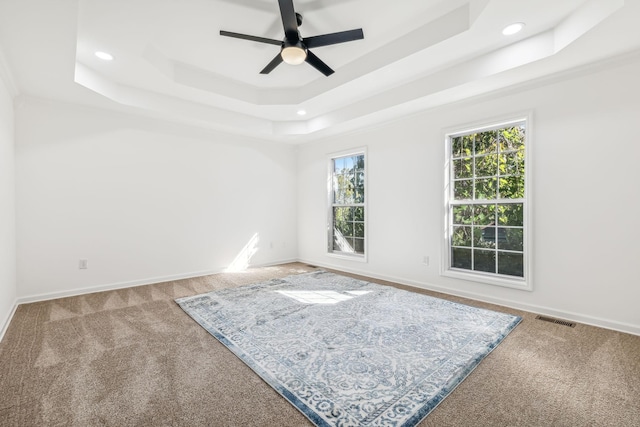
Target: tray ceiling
[[171, 62]]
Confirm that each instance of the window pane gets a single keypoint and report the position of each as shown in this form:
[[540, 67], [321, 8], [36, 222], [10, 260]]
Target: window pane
[[512, 138], [360, 185], [462, 214], [484, 237], [486, 189], [337, 197], [358, 214], [512, 163], [340, 186], [338, 219], [486, 142], [461, 258], [512, 187], [463, 190], [484, 214], [511, 264], [348, 164], [513, 239], [467, 145], [343, 214], [487, 165], [358, 228], [338, 165], [343, 244], [358, 197], [348, 187], [462, 146], [456, 146], [346, 229], [463, 168], [510, 214], [359, 246], [484, 261], [350, 245], [461, 236]]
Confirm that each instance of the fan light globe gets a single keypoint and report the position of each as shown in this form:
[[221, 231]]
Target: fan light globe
[[293, 55]]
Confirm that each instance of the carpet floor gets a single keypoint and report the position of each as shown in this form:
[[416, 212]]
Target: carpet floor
[[132, 357]]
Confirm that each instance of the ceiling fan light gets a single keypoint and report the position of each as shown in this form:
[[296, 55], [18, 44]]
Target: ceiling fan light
[[293, 55]]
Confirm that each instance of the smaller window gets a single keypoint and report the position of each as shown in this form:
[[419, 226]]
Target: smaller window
[[347, 229]]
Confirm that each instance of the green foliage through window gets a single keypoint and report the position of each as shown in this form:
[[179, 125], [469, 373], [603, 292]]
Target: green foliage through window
[[347, 231], [487, 199]]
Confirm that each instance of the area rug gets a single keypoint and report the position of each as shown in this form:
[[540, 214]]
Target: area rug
[[346, 352]]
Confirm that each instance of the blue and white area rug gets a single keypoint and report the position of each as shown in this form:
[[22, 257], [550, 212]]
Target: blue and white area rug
[[347, 352]]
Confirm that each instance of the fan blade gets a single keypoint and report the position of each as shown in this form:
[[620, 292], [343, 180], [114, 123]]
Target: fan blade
[[333, 38], [289, 20], [273, 64], [252, 38], [317, 63]]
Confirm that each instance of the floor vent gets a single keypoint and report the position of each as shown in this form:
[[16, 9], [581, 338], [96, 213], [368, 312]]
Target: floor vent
[[311, 266], [557, 321]]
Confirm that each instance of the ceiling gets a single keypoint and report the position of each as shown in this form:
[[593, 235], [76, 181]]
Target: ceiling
[[170, 61]]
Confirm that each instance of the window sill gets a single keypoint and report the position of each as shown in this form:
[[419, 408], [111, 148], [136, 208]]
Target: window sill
[[489, 279], [347, 256]]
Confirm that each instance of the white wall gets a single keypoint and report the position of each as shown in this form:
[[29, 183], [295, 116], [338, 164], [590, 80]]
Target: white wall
[[141, 200], [585, 155], [7, 209], [145, 200]]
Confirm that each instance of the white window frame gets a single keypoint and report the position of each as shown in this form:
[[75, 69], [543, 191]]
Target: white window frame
[[526, 282], [330, 251]]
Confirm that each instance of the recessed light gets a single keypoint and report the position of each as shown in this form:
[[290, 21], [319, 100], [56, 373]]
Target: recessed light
[[301, 112], [104, 56], [513, 28]]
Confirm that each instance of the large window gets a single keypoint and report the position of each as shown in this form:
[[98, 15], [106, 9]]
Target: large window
[[347, 205], [486, 230]]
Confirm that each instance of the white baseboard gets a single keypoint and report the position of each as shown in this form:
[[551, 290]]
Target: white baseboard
[[576, 317], [111, 286], [5, 323], [130, 284]]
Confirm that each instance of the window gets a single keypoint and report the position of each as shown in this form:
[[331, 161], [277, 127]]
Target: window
[[486, 205], [347, 229]]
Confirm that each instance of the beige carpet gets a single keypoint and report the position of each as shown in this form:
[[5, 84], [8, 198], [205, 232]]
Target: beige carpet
[[132, 357]]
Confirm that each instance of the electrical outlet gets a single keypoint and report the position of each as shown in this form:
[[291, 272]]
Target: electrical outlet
[[83, 264], [425, 260]]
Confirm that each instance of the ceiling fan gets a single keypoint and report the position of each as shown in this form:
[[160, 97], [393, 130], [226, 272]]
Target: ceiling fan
[[294, 49]]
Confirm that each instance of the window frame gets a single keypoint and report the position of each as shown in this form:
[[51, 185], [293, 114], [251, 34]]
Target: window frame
[[526, 282], [330, 205]]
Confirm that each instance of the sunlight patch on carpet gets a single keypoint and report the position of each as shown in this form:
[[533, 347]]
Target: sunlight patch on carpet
[[346, 352]]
